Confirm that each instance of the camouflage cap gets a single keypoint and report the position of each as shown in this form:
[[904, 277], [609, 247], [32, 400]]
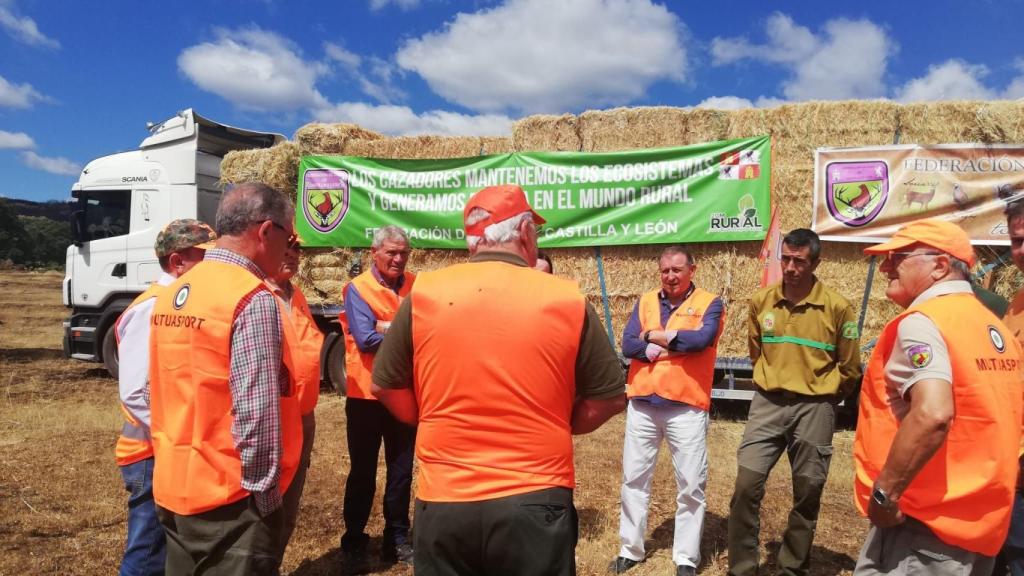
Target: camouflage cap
[[182, 234]]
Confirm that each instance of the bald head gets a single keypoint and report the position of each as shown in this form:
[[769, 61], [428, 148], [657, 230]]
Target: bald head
[[252, 203]]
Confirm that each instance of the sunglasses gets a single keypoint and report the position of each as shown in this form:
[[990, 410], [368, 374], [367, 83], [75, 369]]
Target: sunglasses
[[896, 258], [293, 239]]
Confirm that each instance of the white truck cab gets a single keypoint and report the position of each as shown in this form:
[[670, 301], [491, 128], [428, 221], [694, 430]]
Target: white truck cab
[[124, 200]]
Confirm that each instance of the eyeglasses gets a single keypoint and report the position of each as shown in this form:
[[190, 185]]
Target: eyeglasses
[[293, 239], [897, 258]]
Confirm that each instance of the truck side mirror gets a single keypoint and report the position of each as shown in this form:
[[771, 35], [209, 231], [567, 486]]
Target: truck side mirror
[[78, 227]]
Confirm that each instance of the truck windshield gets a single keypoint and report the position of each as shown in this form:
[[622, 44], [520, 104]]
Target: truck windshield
[[107, 213]]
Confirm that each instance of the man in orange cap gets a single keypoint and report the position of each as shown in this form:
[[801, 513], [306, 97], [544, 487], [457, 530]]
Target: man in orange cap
[[499, 365], [940, 413]]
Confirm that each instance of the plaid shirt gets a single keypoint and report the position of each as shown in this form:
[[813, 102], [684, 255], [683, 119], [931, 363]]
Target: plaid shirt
[[257, 380]]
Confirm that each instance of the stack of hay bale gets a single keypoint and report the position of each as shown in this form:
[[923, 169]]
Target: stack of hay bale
[[727, 268]]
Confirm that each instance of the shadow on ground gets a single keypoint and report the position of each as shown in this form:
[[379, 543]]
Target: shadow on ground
[[25, 355]]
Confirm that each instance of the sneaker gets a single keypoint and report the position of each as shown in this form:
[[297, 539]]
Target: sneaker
[[621, 564], [684, 570], [402, 553]]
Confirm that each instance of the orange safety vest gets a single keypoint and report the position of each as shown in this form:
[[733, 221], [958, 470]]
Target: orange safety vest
[[305, 340], [494, 360], [684, 378], [384, 303], [964, 493], [134, 443], [198, 467]]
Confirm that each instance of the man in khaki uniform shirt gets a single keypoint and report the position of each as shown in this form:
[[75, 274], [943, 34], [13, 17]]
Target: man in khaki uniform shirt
[[805, 346]]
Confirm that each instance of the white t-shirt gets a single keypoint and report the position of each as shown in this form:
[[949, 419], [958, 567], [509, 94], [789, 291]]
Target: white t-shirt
[[133, 355]]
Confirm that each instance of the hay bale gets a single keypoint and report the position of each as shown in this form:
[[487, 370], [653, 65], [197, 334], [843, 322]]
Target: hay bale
[[655, 127], [547, 133], [276, 167], [939, 122], [318, 138], [1000, 122], [414, 147], [496, 145], [729, 269]]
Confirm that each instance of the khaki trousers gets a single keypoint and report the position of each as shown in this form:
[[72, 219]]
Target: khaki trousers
[[912, 548], [802, 427]]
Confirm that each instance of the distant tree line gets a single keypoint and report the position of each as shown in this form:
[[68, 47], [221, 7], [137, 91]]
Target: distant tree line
[[31, 241]]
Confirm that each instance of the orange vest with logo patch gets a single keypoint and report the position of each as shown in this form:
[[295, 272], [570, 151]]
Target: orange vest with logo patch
[[134, 443], [494, 360], [685, 377], [964, 493], [305, 341], [197, 466], [384, 303]]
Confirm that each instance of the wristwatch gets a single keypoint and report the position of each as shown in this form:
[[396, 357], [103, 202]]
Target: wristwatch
[[881, 498]]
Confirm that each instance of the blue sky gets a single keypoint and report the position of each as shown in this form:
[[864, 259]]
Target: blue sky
[[79, 79]]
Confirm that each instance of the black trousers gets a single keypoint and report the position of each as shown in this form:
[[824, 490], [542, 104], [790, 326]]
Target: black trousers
[[233, 540], [368, 423], [531, 534]]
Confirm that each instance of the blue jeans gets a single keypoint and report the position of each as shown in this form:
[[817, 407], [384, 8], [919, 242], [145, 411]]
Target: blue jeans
[[144, 553], [1013, 549]]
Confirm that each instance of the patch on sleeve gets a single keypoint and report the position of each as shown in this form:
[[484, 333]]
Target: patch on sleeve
[[850, 331], [920, 355]]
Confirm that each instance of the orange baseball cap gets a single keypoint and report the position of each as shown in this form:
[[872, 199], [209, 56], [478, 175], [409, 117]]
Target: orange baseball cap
[[938, 234], [502, 202]]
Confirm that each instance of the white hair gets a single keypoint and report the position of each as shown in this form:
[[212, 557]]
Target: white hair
[[505, 231], [960, 267], [389, 232]]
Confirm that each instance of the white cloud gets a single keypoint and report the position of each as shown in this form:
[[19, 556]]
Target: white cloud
[[725, 103], [951, 80], [24, 29], [401, 120], [349, 60], [18, 95], [15, 140], [53, 165], [377, 83], [787, 43], [254, 69], [403, 4], [542, 56], [847, 60]]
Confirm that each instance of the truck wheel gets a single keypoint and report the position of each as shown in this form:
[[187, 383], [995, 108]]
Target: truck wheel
[[336, 366], [110, 352]]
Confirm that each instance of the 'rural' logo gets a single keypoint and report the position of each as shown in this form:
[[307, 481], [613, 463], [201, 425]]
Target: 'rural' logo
[[746, 218], [856, 191], [325, 198]]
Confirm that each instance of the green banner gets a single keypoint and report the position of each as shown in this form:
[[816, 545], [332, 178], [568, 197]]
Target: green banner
[[712, 192]]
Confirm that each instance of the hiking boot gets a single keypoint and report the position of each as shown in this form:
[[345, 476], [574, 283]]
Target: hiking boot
[[621, 564], [355, 561], [402, 553]]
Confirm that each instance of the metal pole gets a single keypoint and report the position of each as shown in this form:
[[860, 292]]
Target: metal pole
[[604, 296], [867, 294]]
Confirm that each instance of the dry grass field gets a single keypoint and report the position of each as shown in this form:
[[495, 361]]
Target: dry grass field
[[62, 501]]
